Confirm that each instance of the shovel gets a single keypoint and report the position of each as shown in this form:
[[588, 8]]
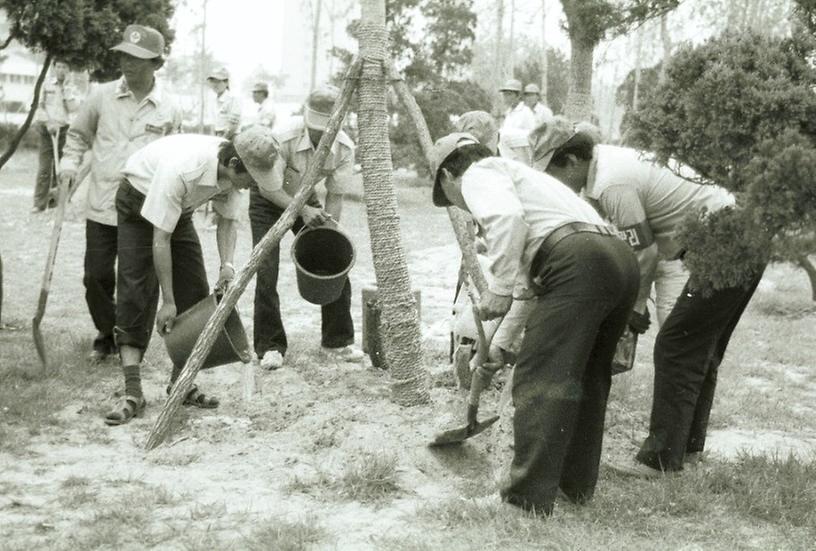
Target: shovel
[[480, 380], [39, 343]]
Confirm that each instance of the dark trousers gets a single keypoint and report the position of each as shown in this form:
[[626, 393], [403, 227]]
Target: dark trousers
[[337, 328], [589, 284], [688, 350], [46, 171], [100, 281], [137, 284]]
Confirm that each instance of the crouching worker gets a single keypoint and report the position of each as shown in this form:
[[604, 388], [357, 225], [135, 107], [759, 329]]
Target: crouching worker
[[542, 239], [162, 185]]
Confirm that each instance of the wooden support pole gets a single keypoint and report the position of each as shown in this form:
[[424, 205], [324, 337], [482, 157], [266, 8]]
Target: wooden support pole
[[461, 222], [213, 327]]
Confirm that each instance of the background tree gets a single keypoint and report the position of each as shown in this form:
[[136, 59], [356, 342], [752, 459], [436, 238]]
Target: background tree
[[589, 22], [741, 110], [530, 69], [80, 32]]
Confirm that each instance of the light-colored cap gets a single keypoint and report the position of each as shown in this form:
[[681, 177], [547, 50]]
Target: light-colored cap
[[532, 89], [481, 125], [439, 152], [512, 85], [319, 106], [218, 73], [142, 42], [548, 137], [261, 87], [257, 148]]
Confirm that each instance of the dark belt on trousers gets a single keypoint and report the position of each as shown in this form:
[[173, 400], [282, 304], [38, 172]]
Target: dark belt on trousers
[[560, 233]]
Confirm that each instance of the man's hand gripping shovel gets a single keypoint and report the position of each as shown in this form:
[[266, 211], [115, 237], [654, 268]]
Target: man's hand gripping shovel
[[480, 380], [39, 342]]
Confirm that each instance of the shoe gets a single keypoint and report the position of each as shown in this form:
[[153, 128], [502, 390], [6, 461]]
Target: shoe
[[98, 356], [634, 469], [693, 458], [272, 360], [36, 210], [345, 354]]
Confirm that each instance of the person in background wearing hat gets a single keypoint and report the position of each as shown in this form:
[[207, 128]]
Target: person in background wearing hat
[[648, 202], [482, 126], [532, 99], [162, 184], [267, 202], [519, 121], [58, 101], [265, 110], [545, 241], [228, 106], [116, 119]]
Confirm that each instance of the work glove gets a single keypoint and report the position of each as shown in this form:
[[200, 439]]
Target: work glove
[[639, 323]]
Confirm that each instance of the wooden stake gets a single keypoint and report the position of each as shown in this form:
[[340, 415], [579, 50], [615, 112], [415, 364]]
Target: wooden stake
[[207, 338]]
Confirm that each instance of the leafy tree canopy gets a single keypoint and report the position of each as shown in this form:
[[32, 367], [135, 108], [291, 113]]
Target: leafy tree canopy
[[741, 111]]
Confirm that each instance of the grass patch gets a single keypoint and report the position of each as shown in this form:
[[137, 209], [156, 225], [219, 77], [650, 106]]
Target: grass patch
[[369, 478], [75, 482], [284, 535]]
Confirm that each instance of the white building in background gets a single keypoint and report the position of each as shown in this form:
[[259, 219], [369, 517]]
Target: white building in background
[[19, 69]]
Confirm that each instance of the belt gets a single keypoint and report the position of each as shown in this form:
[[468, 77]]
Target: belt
[[560, 233]]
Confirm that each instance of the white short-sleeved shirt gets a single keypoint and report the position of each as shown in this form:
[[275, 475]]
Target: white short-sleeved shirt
[[178, 174], [515, 131], [518, 207], [630, 189]]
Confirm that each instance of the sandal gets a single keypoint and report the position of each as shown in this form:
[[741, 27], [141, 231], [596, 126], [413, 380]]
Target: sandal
[[198, 399], [126, 408]]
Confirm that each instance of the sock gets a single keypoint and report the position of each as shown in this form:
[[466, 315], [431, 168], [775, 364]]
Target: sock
[[133, 380]]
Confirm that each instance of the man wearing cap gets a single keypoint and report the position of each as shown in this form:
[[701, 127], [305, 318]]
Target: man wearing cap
[[267, 202], [532, 99], [264, 113], [162, 184], [545, 241], [116, 119], [648, 203], [519, 121], [58, 102], [228, 107]]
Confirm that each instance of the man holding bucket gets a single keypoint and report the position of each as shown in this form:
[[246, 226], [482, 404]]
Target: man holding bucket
[[267, 201], [161, 186]]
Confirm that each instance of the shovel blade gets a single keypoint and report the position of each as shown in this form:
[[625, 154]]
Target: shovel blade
[[459, 435]]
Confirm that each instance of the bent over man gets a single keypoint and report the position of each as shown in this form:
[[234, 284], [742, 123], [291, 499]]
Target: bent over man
[[266, 205], [648, 202], [161, 186], [542, 239], [117, 119]]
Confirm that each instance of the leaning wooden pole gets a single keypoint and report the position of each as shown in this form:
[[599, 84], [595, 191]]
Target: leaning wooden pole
[[216, 322], [461, 222], [399, 322]]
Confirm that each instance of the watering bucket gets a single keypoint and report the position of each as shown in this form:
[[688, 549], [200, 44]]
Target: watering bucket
[[230, 346], [323, 257]]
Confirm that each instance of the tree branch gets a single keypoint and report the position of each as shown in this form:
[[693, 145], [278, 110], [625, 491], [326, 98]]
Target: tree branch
[[18, 137], [7, 41]]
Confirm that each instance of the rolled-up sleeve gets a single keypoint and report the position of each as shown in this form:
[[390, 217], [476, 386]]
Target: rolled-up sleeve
[[339, 181], [491, 197]]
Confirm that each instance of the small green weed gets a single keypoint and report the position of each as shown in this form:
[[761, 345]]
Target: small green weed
[[284, 535]]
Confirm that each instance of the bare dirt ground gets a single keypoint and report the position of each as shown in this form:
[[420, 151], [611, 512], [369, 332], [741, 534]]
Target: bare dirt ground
[[322, 459]]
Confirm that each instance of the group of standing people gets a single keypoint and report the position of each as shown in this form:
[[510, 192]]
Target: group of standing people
[[576, 228], [147, 179]]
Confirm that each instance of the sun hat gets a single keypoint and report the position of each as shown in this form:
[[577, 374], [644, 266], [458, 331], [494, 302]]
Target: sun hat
[[440, 151], [257, 147]]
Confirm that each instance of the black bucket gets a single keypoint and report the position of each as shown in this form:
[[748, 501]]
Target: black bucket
[[230, 346], [323, 257]]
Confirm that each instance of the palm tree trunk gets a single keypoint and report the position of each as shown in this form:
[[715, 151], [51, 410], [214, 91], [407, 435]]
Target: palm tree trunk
[[544, 59], [579, 98], [399, 322]]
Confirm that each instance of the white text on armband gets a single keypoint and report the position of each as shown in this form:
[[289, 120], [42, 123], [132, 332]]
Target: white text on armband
[[638, 236]]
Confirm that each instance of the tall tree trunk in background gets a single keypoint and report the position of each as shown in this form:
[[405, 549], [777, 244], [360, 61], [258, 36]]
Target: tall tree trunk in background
[[579, 98], [544, 59], [315, 14], [399, 322], [665, 37], [511, 47], [499, 55], [638, 64]]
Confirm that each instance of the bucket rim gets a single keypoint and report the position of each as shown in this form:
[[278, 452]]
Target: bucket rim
[[335, 229]]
